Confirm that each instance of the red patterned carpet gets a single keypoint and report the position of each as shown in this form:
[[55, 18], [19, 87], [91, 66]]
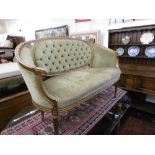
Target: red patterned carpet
[[77, 122]]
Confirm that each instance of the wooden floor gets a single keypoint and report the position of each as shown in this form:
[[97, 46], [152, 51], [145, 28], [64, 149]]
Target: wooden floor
[[138, 123]]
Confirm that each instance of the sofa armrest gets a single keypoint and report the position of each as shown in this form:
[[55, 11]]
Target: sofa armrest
[[103, 57], [33, 81]]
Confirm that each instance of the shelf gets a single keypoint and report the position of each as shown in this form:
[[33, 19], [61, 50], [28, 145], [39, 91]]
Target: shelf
[[141, 57], [132, 29], [134, 44], [136, 90], [144, 106], [6, 48]]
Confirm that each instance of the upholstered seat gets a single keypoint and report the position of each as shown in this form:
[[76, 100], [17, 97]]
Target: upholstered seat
[[62, 73], [73, 85]]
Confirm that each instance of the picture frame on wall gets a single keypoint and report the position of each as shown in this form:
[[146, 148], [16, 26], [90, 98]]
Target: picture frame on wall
[[59, 31], [90, 36]]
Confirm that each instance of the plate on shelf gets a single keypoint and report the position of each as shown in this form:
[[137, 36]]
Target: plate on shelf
[[133, 51], [126, 40], [147, 38], [120, 51], [150, 51]]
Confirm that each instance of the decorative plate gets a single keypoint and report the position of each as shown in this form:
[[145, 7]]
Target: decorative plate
[[150, 51], [147, 38], [120, 51], [133, 51], [125, 40]]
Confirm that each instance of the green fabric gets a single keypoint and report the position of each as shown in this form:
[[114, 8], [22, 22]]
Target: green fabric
[[61, 55], [31, 81], [27, 56], [69, 87], [11, 81], [103, 57]]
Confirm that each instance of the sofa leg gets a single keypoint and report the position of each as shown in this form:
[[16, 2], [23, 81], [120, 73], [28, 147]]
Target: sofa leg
[[56, 125], [42, 115], [55, 122], [115, 91]]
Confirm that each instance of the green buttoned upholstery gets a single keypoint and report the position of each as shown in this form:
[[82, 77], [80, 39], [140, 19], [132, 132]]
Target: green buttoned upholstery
[[61, 55]]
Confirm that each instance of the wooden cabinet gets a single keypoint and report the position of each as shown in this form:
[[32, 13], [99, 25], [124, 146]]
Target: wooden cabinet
[[138, 72], [11, 105], [8, 52]]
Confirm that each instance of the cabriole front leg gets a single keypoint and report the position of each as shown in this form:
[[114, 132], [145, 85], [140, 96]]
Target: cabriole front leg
[[55, 121]]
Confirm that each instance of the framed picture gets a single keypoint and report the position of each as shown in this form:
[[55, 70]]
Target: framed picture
[[90, 36], [55, 31]]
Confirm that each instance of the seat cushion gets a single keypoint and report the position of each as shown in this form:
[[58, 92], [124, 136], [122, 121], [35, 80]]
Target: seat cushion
[[73, 85]]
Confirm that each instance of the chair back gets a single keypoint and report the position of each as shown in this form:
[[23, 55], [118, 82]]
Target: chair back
[[57, 55]]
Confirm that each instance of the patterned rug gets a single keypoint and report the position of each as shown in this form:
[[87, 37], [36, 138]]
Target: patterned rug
[[76, 122]]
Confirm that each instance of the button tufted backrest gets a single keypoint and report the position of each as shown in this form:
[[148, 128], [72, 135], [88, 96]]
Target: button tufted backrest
[[56, 55]]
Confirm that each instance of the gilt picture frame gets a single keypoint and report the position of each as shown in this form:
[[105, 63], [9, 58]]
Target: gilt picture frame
[[60, 31], [90, 36]]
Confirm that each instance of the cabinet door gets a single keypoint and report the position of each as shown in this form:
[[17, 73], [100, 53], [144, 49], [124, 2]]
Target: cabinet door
[[128, 81], [11, 105], [147, 84]]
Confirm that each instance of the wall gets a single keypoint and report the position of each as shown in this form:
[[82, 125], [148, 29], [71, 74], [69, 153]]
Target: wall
[[2, 27], [27, 27], [93, 25]]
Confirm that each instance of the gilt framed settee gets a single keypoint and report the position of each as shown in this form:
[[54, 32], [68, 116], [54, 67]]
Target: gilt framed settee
[[62, 73]]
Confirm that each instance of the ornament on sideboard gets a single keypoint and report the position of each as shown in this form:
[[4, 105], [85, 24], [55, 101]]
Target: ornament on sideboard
[[133, 51], [126, 40], [150, 51], [146, 38], [120, 51]]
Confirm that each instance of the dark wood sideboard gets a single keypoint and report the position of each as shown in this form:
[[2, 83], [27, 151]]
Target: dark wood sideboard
[[12, 104], [11, 101], [138, 72], [8, 52]]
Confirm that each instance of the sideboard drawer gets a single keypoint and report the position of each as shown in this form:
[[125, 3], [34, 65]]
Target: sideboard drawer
[[137, 83]]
